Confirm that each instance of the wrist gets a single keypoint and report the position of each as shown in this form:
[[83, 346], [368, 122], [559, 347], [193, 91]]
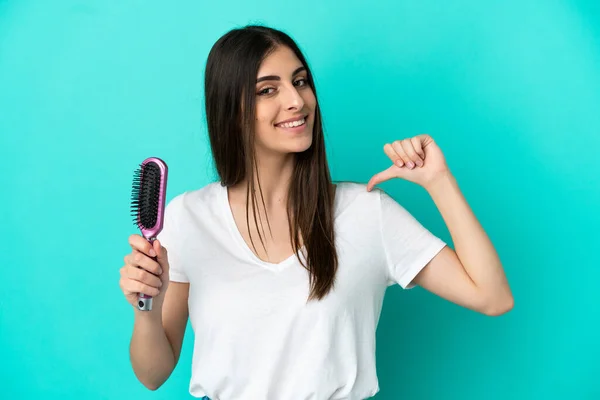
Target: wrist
[[153, 316], [440, 182]]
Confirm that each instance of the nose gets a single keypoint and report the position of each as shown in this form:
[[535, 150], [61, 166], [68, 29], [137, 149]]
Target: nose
[[293, 100]]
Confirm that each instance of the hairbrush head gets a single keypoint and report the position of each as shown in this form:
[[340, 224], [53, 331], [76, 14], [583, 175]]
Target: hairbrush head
[[148, 196]]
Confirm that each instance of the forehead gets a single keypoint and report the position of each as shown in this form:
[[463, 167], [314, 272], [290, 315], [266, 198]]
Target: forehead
[[281, 62]]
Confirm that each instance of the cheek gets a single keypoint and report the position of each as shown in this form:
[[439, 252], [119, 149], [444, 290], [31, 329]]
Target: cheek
[[265, 116], [263, 126], [264, 120], [310, 99]]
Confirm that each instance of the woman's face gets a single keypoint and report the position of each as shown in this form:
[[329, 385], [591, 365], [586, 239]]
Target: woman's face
[[285, 104]]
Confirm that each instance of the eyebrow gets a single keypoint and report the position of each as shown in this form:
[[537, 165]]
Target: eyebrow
[[277, 78]]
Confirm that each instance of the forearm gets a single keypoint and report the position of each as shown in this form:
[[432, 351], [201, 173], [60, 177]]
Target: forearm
[[472, 245], [151, 353]]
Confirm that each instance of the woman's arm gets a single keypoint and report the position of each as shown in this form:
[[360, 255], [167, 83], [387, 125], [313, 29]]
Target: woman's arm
[[158, 337], [471, 276]]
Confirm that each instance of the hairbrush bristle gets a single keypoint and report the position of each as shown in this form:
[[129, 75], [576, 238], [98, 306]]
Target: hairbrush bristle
[[145, 195]]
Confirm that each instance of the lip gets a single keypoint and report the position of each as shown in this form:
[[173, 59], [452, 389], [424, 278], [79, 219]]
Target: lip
[[292, 119]]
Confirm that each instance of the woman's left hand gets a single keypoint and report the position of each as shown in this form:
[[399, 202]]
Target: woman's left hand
[[417, 159]]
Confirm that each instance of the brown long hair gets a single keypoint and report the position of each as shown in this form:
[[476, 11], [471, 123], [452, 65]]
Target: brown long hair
[[230, 81]]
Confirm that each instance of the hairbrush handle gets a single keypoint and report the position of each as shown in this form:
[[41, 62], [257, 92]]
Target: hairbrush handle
[[144, 302]]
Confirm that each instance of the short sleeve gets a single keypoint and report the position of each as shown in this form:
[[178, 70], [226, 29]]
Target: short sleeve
[[171, 239], [407, 244]]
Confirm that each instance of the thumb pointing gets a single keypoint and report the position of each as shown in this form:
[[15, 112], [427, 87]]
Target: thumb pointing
[[383, 176]]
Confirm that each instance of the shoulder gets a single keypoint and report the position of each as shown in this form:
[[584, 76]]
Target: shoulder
[[197, 199], [355, 196], [355, 191]]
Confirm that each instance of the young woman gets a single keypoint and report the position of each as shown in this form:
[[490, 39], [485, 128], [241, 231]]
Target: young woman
[[281, 272]]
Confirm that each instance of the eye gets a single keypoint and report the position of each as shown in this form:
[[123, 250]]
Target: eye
[[265, 91], [301, 82]]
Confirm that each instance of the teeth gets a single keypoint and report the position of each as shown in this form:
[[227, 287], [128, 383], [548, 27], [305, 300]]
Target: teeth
[[293, 124]]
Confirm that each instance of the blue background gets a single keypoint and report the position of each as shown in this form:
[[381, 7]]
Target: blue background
[[510, 91]]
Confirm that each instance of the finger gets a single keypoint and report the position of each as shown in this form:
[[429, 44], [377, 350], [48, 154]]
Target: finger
[[411, 153], [416, 142], [147, 263], [140, 260], [391, 153], [424, 139], [140, 275], [381, 177], [161, 255], [125, 286], [399, 149], [130, 286], [139, 243]]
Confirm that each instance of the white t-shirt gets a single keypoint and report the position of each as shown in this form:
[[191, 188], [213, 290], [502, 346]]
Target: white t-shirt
[[256, 336]]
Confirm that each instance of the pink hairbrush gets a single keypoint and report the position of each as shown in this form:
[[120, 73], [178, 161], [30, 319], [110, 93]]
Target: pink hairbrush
[[148, 206]]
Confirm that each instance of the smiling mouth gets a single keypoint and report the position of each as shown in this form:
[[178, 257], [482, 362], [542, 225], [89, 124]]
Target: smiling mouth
[[293, 124]]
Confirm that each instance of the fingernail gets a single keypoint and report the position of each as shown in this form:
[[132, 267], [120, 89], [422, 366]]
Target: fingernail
[[420, 163], [399, 163], [160, 271], [160, 284], [152, 253], [410, 164]]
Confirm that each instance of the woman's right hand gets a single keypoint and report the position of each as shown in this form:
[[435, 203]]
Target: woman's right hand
[[145, 273]]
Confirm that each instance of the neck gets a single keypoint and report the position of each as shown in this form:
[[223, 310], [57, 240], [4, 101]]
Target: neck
[[275, 174]]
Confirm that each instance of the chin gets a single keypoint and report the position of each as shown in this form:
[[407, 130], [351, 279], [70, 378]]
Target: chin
[[295, 144], [294, 149], [302, 145]]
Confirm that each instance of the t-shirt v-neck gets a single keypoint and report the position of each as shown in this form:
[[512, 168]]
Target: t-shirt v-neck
[[241, 242]]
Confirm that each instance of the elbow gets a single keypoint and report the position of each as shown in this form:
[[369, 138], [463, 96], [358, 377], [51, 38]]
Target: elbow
[[152, 385], [149, 382], [499, 306]]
